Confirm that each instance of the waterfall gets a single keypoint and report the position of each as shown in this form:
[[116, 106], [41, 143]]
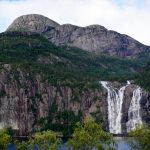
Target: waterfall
[[115, 101], [134, 118]]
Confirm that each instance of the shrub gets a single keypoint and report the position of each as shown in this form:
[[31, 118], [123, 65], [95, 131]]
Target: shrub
[[90, 135], [45, 140], [4, 139]]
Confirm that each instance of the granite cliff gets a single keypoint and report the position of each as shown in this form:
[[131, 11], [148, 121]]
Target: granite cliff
[[93, 38]]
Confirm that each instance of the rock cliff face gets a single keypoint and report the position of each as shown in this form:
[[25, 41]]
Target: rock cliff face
[[28, 104], [97, 39], [94, 38]]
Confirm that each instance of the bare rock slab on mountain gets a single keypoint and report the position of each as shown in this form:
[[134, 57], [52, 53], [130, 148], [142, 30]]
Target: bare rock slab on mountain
[[93, 38], [33, 23]]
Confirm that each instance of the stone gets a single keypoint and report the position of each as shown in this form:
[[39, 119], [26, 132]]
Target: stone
[[93, 38], [32, 23]]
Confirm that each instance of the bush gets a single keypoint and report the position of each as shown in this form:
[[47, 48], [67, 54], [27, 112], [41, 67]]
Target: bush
[[4, 139], [22, 145], [90, 135], [45, 140]]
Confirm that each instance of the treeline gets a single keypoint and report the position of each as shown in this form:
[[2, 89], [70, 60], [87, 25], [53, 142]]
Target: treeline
[[86, 136], [143, 78], [64, 65]]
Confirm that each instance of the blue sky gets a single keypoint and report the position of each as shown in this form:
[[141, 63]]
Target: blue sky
[[125, 16]]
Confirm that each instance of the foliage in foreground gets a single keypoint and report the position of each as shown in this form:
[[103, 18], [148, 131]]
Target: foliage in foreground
[[21, 145], [86, 136], [141, 138], [4, 139], [90, 135], [45, 140]]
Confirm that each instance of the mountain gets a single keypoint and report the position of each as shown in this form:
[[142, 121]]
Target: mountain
[[93, 38], [45, 85], [32, 23]]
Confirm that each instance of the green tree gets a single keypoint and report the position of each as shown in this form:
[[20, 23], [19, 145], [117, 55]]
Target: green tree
[[46, 140], [141, 138], [4, 139], [21, 145], [143, 78], [89, 135]]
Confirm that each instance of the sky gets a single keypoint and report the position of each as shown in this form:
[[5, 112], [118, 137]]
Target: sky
[[131, 17]]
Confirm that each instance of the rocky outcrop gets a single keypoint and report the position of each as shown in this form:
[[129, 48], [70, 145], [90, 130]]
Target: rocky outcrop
[[32, 23], [97, 39], [26, 101], [93, 38], [145, 107]]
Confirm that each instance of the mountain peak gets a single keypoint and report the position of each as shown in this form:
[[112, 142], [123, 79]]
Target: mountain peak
[[32, 23], [92, 38]]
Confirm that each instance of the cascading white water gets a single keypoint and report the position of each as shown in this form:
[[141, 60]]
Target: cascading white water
[[115, 101], [134, 118]]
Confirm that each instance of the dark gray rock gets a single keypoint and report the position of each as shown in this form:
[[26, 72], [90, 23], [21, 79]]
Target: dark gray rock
[[145, 107]]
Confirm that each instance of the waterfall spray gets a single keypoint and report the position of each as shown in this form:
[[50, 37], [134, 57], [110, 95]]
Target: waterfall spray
[[115, 101], [134, 118]]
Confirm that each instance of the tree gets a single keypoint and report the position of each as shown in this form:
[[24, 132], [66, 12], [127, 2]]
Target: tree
[[141, 138], [4, 139], [143, 78], [22, 145], [45, 140], [90, 135]]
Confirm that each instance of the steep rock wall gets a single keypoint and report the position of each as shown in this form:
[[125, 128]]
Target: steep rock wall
[[25, 100]]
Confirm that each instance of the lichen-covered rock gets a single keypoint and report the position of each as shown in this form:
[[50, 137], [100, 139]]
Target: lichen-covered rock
[[32, 23], [93, 38]]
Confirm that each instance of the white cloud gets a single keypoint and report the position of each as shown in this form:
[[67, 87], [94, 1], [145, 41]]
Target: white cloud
[[125, 16]]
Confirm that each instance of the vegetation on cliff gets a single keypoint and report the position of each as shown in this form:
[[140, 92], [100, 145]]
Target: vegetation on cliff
[[63, 65], [143, 78]]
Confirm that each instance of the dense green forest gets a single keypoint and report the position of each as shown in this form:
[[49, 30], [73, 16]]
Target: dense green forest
[[66, 65]]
